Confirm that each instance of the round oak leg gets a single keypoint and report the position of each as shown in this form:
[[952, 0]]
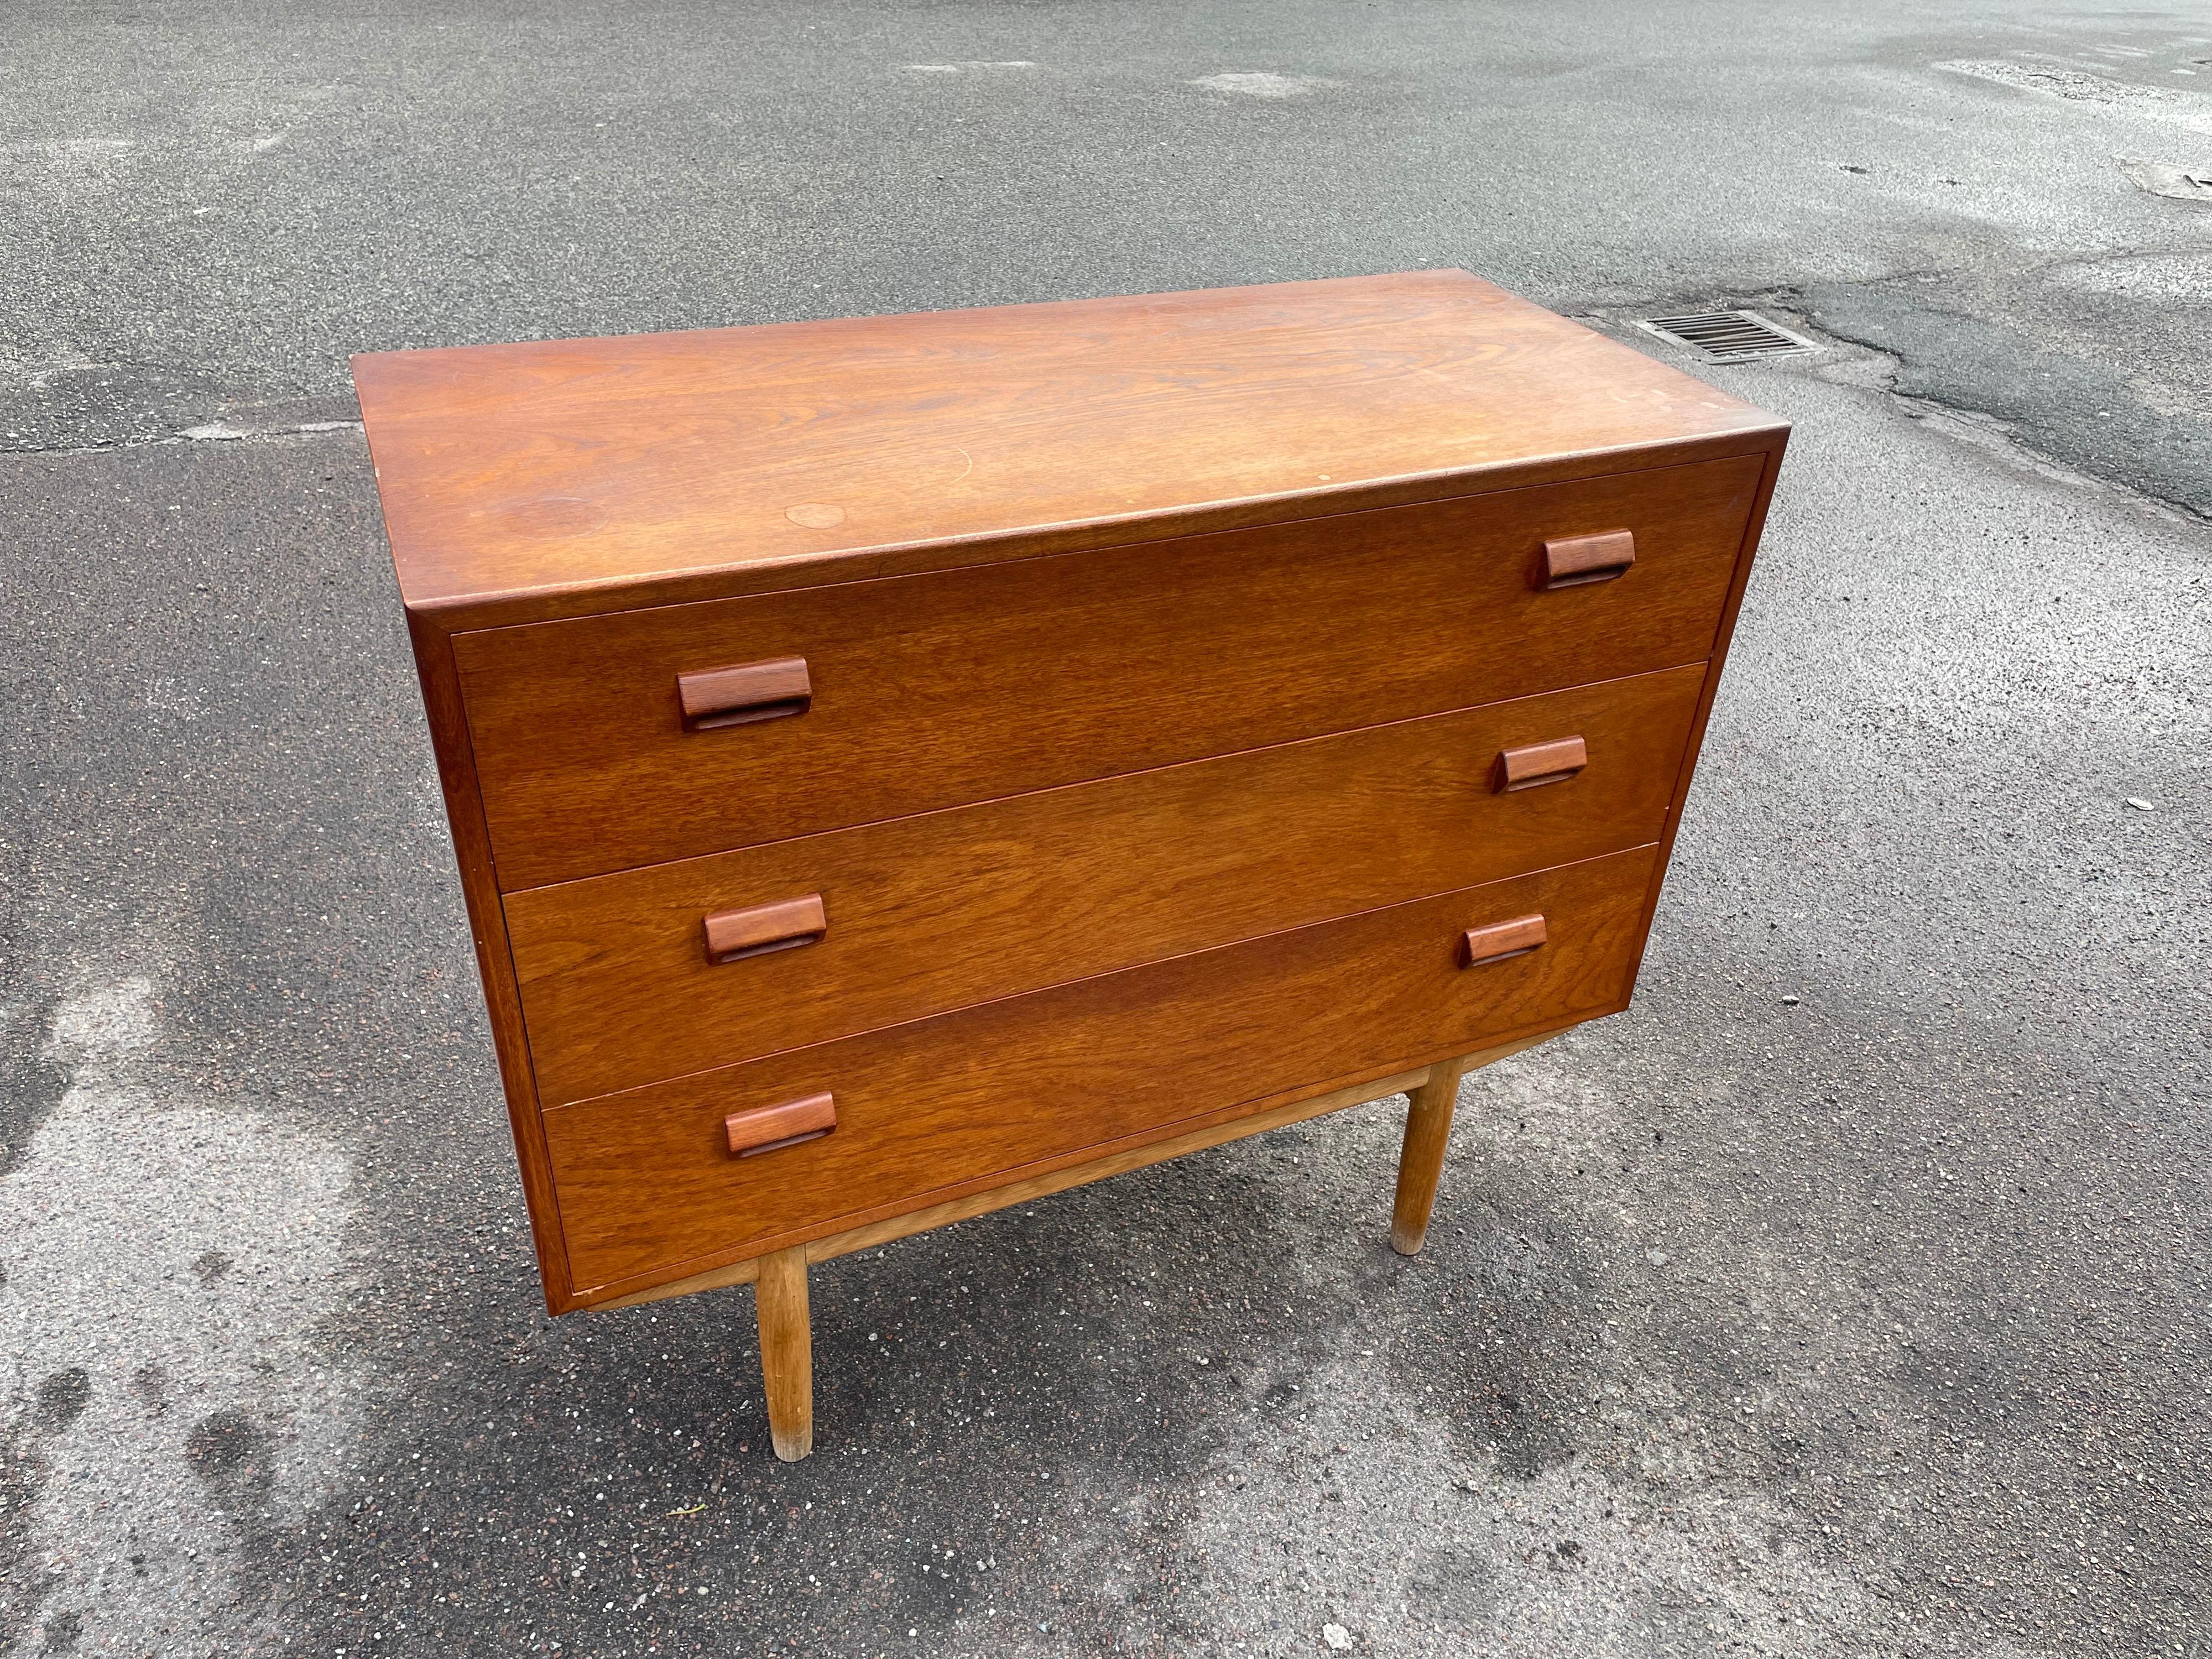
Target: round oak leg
[[1421, 1159], [787, 1351]]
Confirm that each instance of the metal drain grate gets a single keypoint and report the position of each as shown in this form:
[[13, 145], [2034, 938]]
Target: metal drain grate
[[1727, 336]]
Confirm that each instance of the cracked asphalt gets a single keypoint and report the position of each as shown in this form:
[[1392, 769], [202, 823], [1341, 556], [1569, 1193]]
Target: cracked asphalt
[[1847, 1297]]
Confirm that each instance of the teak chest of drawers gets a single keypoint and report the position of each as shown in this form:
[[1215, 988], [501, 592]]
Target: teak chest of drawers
[[903, 766]]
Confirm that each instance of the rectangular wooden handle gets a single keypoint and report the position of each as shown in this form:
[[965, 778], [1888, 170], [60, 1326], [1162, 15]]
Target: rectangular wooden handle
[[783, 926], [1539, 764], [745, 693], [1576, 561], [1501, 940], [768, 1128]]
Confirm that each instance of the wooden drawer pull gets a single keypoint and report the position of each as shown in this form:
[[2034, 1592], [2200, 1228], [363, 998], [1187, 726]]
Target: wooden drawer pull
[[1576, 561], [1502, 940], [784, 926], [770, 1128], [1538, 763], [740, 696]]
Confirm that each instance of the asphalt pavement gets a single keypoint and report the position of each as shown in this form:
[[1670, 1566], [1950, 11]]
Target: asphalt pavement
[[1847, 1297]]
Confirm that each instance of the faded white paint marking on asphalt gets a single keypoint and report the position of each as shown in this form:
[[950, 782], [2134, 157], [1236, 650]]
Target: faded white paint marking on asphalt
[[2182, 184], [1260, 84], [167, 1264], [171, 702]]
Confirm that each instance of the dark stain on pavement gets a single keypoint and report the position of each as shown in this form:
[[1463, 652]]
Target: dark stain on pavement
[[30, 1082], [61, 1398]]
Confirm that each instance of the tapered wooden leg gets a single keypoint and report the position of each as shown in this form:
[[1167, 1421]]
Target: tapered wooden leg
[[1421, 1159], [787, 1351]]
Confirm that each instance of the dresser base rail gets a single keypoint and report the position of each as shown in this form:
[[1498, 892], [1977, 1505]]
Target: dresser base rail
[[779, 1279]]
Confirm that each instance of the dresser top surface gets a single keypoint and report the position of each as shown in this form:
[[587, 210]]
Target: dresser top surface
[[530, 477]]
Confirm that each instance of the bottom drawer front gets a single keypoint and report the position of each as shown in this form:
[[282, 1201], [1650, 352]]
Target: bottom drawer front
[[646, 1184]]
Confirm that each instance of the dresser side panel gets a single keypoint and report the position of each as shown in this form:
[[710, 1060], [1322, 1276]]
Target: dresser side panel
[[449, 737], [1755, 526]]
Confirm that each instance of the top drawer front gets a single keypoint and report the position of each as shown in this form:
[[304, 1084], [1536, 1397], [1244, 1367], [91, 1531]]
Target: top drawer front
[[965, 685]]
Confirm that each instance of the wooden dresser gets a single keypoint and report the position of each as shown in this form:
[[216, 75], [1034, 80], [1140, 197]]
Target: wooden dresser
[[905, 765]]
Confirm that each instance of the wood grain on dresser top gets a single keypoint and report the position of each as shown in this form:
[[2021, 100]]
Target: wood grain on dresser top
[[933, 690], [648, 1187], [562, 478], [925, 914]]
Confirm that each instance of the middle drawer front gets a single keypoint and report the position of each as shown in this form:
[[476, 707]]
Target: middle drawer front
[[929, 913], [646, 1184]]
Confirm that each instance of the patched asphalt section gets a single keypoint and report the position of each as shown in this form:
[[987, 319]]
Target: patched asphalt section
[[2071, 399]]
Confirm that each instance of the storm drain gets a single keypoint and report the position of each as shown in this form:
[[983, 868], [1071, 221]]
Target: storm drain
[[1727, 337]]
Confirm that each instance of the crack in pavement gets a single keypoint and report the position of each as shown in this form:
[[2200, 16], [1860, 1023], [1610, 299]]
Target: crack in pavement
[[213, 432]]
